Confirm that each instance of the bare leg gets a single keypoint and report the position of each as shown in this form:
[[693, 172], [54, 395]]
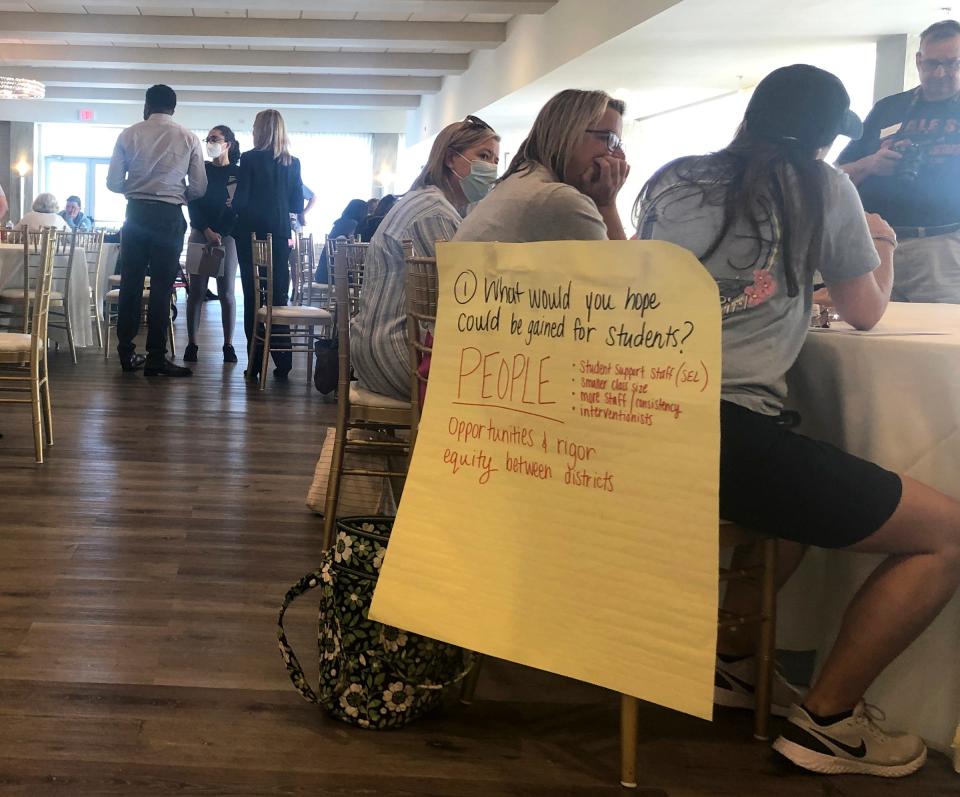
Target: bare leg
[[198, 287], [899, 599], [742, 598], [226, 290]]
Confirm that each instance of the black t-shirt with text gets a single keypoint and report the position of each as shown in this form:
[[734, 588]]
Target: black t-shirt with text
[[925, 190]]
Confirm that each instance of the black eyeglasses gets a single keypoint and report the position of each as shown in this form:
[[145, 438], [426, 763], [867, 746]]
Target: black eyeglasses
[[614, 141], [476, 121]]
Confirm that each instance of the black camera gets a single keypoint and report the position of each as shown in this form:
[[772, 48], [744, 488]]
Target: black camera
[[913, 160]]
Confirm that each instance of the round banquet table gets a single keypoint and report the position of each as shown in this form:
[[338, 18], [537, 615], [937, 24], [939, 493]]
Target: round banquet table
[[892, 396], [11, 276]]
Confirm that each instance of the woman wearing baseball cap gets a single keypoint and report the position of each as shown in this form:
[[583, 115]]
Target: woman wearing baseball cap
[[762, 215]]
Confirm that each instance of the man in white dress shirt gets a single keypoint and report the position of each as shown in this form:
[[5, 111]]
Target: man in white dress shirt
[[157, 164]]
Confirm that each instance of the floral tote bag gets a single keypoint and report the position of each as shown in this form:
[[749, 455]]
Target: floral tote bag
[[371, 675]]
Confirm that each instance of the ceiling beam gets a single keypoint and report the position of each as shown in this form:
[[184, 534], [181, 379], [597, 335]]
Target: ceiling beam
[[463, 7], [254, 32], [176, 59], [235, 99], [228, 81]]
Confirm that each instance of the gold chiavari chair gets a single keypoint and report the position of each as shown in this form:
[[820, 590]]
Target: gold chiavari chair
[[112, 304], [92, 244], [302, 320], [63, 261], [23, 356], [303, 272], [359, 411]]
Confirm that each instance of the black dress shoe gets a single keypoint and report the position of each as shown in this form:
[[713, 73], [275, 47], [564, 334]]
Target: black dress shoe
[[229, 354], [132, 363], [166, 368], [190, 353], [281, 375], [210, 296]]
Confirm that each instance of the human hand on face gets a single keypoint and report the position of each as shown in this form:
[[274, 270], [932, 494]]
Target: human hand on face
[[603, 179]]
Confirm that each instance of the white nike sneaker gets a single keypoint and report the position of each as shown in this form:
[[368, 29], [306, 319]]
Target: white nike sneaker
[[734, 685], [856, 745]]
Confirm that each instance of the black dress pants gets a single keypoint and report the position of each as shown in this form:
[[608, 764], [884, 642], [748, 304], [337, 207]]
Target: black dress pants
[[280, 335], [152, 239]]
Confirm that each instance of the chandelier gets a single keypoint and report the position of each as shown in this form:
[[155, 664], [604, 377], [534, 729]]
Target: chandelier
[[19, 88]]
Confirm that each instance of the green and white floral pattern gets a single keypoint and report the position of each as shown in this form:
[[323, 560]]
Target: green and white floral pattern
[[371, 675]]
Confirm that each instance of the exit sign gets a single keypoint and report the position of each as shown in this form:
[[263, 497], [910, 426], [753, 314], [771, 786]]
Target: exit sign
[[86, 115]]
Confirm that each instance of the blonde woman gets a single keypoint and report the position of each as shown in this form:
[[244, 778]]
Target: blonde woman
[[564, 180], [269, 189], [460, 170]]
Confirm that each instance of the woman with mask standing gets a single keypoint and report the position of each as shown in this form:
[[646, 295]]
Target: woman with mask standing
[[269, 189], [211, 223], [460, 170]]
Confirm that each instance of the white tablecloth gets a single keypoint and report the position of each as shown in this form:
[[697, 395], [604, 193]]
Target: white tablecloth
[[11, 276], [110, 254], [894, 400]]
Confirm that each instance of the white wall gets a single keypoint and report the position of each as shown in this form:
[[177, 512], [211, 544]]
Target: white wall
[[535, 46]]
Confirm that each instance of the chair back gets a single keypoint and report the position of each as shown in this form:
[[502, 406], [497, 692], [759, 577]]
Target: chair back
[[422, 292], [345, 305], [263, 275], [91, 242], [42, 287], [64, 245], [303, 273]]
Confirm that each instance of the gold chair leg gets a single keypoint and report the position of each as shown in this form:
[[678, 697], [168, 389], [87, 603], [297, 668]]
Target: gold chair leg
[[97, 325], [469, 686], [629, 720], [333, 482], [106, 342], [37, 419], [766, 643], [265, 362], [309, 355]]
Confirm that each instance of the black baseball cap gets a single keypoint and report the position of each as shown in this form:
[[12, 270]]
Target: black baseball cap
[[802, 103]]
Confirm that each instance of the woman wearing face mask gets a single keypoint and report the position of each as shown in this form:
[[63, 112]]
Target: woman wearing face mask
[[460, 170], [564, 180], [211, 222]]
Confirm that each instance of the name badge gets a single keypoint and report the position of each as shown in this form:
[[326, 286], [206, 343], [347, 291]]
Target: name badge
[[889, 131]]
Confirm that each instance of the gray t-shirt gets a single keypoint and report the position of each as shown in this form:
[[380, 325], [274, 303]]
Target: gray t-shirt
[[763, 327], [533, 206]]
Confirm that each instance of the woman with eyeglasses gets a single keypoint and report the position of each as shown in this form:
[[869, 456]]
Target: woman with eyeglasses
[[211, 223], [460, 170], [269, 189], [564, 180]]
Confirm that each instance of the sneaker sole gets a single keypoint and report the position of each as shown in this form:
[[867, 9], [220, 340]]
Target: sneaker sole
[[832, 765], [730, 699]]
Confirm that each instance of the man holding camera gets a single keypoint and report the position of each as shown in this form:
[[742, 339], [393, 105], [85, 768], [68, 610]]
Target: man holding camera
[[907, 169]]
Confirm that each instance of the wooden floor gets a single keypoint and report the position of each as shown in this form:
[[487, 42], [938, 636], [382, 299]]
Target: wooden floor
[[141, 569]]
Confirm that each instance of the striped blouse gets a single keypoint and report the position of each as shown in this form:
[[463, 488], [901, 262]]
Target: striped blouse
[[378, 334]]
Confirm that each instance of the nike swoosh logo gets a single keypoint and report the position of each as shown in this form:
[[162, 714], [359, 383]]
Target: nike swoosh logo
[[856, 752]]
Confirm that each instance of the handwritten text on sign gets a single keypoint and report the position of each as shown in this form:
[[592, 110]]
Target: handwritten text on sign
[[561, 509]]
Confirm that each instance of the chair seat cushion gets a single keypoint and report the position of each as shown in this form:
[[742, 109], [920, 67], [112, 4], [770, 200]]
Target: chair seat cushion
[[14, 341], [367, 398], [13, 295], [314, 315], [319, 286], [114, 296]]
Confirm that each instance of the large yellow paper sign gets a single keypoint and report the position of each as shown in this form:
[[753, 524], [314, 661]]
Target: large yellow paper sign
[[561, 506]]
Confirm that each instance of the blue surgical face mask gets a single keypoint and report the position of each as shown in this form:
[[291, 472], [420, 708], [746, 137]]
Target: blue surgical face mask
[[477, 184]]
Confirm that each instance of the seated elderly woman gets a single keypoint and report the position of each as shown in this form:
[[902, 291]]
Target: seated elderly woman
[[564, 180], [44, 214], [461, 168]]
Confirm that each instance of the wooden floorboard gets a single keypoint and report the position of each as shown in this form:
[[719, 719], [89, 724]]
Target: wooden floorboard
[[141, 568]]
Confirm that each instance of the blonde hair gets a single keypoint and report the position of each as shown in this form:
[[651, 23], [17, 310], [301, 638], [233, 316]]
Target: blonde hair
[[270, 133], [558, 129], [458, 137], [46, 203]]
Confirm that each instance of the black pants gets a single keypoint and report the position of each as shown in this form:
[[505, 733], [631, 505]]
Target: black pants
[[152, 239], [281, 288]]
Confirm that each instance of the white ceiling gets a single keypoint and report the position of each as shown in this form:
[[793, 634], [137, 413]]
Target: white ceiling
[[320, 54], [700, 49]]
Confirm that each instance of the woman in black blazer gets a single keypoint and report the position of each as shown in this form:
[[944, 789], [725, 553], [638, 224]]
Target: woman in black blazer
[[269, 189]]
